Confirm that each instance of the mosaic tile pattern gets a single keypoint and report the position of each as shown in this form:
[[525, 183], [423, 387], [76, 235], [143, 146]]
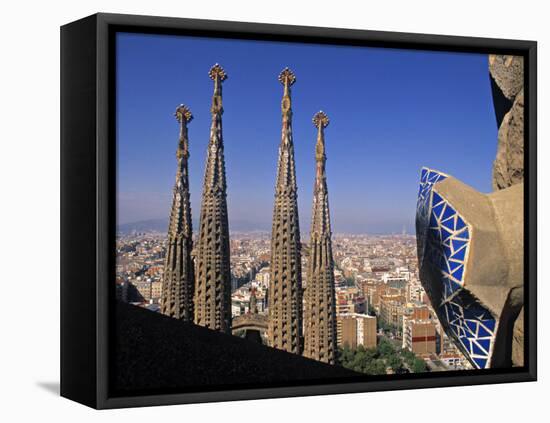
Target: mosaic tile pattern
[[428, 178], [447, 243], [443, 238], [472, 325]]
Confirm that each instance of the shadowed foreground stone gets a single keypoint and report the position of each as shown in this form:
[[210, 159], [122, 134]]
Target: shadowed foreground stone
[[157, 353], [517, 345], [470, 250]]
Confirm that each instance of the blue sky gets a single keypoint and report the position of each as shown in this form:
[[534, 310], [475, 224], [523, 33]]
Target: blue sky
[[392, 112]]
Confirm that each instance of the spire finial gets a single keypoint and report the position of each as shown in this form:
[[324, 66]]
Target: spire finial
[[217, 72], [287, 77], [320, 119], [183, 114], [218, 75]]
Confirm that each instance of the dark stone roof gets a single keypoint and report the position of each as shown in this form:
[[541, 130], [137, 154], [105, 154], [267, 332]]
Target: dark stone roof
[[157, 354]]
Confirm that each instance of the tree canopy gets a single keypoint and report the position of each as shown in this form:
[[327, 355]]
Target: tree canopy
[[378, 361]]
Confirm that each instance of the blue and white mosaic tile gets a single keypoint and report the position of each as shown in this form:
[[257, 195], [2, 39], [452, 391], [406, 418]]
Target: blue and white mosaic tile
[[447, 243], [443, 237], [473, 326], [428, 178]]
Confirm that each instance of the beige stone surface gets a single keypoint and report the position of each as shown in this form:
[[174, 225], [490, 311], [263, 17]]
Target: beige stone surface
[[507, 71], [495, 261], [508, 206], [508, 167]]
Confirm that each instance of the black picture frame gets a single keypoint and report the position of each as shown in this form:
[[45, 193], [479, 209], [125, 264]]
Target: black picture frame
[[88, 206]]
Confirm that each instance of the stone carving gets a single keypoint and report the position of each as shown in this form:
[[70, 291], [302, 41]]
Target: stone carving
[[213, 273], [508, 165], [253, 325], [470, 251], [250, 322], [507, 72], [285, 288], [508, 97], [320, 307], [179, 278]]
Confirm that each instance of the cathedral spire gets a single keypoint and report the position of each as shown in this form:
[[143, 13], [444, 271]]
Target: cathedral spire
[[285, 287], [286, 173], [320, 218], [178, 278], [320, 307], [213, 272]]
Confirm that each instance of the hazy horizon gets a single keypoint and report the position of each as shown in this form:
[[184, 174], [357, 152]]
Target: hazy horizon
[[160, 225]]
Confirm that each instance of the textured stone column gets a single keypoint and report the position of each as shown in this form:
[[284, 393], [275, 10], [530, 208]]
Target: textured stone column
[[320, 310], [285, 286], [470, 252], [213, 272], [179, 277], [506, 74]]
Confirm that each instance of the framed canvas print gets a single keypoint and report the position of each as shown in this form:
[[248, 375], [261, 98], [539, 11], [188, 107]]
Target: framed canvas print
[[255, 211]]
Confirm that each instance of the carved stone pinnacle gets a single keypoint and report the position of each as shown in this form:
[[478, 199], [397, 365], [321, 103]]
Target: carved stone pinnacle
[[321, 119], [183, 113], [217, 71], [287, 77]]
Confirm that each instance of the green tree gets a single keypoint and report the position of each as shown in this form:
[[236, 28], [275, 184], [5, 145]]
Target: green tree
[[395, 362], [385, 348], [418, 366], [375, 361], [375, 367], [345, 354]]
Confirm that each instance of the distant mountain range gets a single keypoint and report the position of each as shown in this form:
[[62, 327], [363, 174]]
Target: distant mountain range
[[157, 225], [161, 225]]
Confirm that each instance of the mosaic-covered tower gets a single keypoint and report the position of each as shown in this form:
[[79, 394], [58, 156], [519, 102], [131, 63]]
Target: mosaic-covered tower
[[285, 286], [179, 277], [213, 277], [320, 309], [470, 255]]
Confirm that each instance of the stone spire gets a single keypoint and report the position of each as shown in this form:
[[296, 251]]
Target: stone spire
[[285, 286], [179, 277], [213, 277], [253, 308], [320, 309]]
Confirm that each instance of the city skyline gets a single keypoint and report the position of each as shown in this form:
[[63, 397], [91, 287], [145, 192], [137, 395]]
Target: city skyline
[[440, 96], [380, 304]]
